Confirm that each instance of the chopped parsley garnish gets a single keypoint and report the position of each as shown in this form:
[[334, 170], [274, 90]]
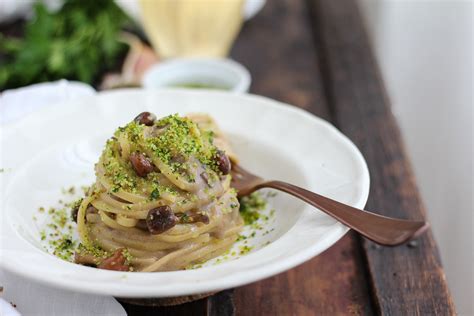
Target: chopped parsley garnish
[[250, 207], [155, 194], [64, 247], [174, 141], [180, 137], [245, 249], [58, 231], [92, 250]]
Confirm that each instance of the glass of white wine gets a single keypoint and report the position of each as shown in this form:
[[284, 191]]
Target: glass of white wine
[[192, 28]]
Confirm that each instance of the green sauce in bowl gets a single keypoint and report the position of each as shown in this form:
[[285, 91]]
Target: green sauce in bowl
[[196, 85]]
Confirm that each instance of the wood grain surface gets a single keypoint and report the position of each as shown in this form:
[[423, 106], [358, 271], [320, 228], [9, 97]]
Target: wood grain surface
[[279, 49], [407, 279]]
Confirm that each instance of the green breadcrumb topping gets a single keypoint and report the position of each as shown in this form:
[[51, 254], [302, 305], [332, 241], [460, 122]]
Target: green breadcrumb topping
[[120, 174], [181, 138], [173, 140], [128, 256], [250, 207], [59, 231], [64, 247], [94, 251]]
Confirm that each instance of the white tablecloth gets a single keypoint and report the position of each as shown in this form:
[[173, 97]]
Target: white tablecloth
[[31, 298]]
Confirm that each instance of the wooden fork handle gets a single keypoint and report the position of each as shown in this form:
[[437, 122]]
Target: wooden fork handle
[[380, 229]]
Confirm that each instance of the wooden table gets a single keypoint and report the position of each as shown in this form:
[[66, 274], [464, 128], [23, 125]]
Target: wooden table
[[315, 54]]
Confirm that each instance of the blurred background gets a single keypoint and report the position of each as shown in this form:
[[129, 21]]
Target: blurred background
[[427, 66]]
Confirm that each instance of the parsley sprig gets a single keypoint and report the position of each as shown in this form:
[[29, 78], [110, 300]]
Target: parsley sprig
[[78, 42]]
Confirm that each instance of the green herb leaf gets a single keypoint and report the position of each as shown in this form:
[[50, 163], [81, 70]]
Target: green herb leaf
[[78, 42], [155, 194]]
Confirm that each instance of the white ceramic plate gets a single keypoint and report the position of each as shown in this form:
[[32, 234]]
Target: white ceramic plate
[[57, 147]]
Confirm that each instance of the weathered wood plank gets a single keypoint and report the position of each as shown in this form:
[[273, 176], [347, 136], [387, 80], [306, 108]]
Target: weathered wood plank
[[196, 308], [279, 50], [220, 304], [405, 280], [332, 283]]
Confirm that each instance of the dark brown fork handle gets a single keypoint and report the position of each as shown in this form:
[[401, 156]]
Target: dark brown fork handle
[[380, 229]]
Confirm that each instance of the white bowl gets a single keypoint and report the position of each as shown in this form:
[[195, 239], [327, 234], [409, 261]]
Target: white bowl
[[57, 147], [224, 73]]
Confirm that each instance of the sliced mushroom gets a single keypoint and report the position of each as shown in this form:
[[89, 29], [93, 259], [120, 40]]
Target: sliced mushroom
[[141, 164], [223, 162], [145, 118], [85, 259], [116, 261], [160, 219]]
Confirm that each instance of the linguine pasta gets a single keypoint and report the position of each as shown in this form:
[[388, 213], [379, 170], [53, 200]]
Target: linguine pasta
[[162, 198]]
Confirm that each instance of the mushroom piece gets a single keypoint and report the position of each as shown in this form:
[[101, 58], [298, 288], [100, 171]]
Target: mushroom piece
[[141, 164], [145, 118], [116, 261], [160, 219], [223, 162]]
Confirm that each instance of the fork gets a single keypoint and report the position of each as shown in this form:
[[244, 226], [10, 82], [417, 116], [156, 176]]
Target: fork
[[380, 229]]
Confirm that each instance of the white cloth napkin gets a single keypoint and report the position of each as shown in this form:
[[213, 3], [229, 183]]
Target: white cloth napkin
[[16, 103], [31, 298], [34, 299]]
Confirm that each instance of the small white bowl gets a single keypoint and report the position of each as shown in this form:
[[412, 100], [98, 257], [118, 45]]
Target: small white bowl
[[224, 74]]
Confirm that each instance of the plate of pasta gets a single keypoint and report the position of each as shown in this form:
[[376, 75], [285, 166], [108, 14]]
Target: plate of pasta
[[129, 192]]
